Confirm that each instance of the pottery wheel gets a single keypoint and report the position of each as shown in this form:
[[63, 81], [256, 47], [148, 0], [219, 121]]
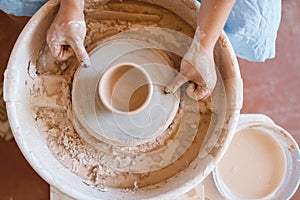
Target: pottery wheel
[[118, 129]]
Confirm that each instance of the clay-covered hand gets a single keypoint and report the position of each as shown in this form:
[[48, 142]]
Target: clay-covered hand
[[65, 37], [197, 66]]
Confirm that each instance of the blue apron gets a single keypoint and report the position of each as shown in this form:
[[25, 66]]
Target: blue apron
[[252, 28]]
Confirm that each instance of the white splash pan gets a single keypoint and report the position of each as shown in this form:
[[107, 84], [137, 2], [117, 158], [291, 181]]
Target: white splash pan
[[32, 144]]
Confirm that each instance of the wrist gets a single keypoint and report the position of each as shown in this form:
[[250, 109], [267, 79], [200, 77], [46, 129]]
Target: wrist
[[206, 42], [71, 10], [72, 4]]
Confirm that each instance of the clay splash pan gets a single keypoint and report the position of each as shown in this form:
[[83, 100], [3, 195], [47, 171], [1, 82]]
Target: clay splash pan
[[54, 127]]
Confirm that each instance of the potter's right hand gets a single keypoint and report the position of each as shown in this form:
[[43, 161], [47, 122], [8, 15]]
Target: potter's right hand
[[197, 66], [66, 34]]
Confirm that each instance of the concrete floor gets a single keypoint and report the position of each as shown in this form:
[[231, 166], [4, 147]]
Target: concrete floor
[[271, 88]]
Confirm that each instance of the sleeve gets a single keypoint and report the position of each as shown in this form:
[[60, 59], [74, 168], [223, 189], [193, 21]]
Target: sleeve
[[252, 28], [21, 7]]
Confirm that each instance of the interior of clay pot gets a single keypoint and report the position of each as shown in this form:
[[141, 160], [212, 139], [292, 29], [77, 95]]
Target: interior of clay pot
[[22, 74]]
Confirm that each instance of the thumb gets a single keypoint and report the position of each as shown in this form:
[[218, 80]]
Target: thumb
[[178, 81], [54, 48], [81, 54]]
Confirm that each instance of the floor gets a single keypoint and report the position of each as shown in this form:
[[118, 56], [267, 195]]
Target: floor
[[269, 88]]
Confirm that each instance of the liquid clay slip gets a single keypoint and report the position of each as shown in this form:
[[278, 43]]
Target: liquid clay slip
[[262, 162]]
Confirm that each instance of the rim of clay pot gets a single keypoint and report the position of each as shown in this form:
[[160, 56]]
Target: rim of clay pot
[[107, 101]]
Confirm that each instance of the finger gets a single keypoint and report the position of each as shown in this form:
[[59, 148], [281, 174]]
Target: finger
[[81, 54], [64, 53], [177, 82], [54, 49], [197, 92]]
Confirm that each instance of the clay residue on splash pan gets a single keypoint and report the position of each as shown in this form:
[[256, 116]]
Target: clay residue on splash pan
[[53, 112], [131, 15]]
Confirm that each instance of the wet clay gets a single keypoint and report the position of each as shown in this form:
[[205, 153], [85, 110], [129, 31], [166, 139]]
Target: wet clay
[[106, 165], [138, 97], [126, 88]]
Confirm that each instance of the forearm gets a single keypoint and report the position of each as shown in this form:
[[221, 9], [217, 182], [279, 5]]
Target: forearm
[[73, 7], [211, 20]]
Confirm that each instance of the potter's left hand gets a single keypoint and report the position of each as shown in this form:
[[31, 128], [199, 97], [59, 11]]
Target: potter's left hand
[[65, 37], [198, 67]]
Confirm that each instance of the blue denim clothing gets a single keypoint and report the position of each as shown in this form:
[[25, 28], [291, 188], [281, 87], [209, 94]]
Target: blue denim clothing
[[251, 26]]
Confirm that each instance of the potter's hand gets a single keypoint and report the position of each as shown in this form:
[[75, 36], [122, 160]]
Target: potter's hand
[[66, 34], [198, 67]]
